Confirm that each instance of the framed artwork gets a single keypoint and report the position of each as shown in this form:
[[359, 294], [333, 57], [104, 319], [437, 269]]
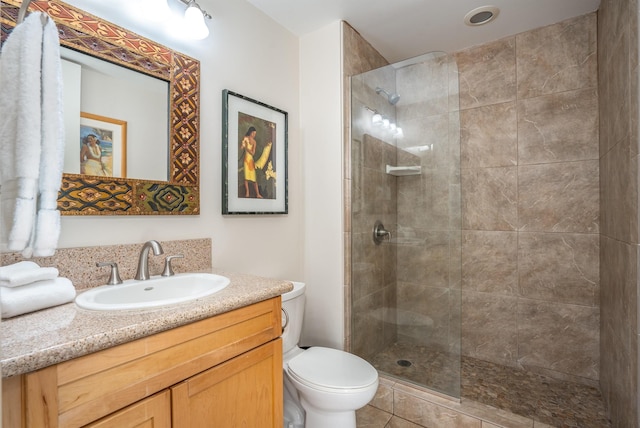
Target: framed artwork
[[102, 146], [254, 156]]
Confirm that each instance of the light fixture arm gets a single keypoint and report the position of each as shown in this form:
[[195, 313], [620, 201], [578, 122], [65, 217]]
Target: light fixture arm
[[189, 3]]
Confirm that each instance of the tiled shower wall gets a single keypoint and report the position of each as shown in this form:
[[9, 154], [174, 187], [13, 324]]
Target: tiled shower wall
[[530, 200], [618, 85], [358, 57]]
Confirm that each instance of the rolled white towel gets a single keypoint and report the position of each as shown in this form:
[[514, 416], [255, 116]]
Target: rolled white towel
[[33, 297], [23, 273]]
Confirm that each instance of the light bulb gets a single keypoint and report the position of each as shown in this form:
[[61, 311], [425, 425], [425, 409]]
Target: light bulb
[[399, 133], [392, 126], [376, 119], [385, 123], [194, 24]]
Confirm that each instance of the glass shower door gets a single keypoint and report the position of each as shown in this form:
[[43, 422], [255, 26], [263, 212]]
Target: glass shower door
[[405, 171]]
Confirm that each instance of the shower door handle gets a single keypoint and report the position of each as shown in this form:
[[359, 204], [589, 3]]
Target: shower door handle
[[380, 233]]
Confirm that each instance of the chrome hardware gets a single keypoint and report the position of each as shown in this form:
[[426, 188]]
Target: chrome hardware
[[143, 261], [380, 233], [114, 277], [168, 270]]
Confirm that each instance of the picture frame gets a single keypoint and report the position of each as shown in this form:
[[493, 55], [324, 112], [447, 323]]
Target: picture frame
[[112, 137], [254, 156]]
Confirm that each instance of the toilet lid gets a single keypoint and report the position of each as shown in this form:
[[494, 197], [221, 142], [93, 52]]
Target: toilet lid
[[331, 368]]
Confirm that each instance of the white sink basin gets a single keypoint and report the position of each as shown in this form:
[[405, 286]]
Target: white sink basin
[[154, 292]]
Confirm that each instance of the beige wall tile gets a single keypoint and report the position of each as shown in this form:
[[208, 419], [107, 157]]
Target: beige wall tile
[[489, 136], [558, 127], [559, 197], [490, 261], [559, 337], [426, 262], [557, 58], [489, 198], [487, 74], [489, 327], [619, 205], [559, 267]]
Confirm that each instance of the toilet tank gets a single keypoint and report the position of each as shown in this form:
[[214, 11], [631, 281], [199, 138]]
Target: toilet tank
[[292, 316]]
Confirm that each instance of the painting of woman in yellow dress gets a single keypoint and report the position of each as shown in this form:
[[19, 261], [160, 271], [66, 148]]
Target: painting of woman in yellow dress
[[252, 173]]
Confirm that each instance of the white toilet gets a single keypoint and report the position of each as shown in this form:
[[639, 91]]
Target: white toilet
[[328, 385]]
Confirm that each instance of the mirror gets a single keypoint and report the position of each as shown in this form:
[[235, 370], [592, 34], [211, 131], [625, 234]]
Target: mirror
[[118, 105], [125, 193]]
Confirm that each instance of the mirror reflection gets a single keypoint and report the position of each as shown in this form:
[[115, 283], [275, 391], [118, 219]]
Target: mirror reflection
[[116, 119]]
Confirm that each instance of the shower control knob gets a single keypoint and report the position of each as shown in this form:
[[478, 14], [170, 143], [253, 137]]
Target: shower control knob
[[380, 233]]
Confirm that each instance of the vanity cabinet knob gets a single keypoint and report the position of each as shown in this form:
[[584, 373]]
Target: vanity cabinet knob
[[114, 277], [168, 270]]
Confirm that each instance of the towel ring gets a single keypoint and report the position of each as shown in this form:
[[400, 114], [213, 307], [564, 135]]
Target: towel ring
[[23, 10]]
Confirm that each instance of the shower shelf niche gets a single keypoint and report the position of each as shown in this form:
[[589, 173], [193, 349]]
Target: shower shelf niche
[[400, 171]]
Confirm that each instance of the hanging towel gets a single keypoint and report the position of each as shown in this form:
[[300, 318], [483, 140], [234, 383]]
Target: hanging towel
[[26, 272], [35, 296], [47, 228], [20, 126], [31, 137]]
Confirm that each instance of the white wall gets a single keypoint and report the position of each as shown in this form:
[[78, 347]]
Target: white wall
[[321, 130], [250, 54]]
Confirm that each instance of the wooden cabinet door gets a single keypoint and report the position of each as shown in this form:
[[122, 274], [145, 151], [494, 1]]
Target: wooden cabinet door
[[245, 391], [152, 412]]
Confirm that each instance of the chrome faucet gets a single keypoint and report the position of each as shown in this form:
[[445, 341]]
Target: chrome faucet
[[143, 262]]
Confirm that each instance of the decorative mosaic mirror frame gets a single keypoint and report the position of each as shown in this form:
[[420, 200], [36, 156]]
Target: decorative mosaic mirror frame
[[92, 195]]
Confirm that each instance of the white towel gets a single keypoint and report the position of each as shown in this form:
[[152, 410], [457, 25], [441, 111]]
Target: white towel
[[47, 229], [35, 296], [20, 126], [26, 272], [31, 136]]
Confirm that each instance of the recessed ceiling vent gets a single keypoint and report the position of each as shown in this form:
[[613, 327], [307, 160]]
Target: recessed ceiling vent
[[481, 15]]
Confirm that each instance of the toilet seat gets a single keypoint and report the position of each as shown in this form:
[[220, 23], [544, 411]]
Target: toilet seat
[[332, 370]]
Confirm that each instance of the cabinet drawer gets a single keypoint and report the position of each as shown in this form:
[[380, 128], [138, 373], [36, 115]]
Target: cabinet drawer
[[88, 388]]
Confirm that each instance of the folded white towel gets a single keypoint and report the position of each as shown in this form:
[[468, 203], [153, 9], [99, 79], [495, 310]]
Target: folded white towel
[[35, 296], [23, 273]]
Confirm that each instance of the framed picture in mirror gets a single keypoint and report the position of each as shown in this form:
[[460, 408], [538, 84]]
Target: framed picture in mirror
[[254, 156], [102, 146]]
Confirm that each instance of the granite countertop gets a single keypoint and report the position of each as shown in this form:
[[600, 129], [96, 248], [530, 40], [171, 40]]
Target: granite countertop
[[33, 341]]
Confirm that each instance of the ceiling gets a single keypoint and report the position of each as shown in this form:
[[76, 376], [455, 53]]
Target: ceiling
[[401, 29]]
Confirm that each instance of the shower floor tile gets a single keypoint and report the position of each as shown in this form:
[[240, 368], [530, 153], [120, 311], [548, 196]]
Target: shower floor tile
[[542, 398]]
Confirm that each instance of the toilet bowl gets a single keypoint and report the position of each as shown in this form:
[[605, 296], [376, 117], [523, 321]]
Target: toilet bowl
[[325, 385]]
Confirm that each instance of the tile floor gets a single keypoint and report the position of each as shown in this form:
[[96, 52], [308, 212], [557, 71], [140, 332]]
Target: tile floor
[[547, 400]]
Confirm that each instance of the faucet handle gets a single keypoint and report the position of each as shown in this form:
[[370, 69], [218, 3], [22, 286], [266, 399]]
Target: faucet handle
[[114, 277], [168, 270]]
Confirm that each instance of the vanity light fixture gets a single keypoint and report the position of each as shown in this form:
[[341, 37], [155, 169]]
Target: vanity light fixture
[[195, 25]]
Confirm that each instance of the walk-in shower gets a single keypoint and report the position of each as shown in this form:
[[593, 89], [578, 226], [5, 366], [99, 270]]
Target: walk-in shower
[[406, 274], [425, 306]]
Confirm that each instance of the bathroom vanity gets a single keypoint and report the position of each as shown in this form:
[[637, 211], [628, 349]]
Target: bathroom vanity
[[214, 362]]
